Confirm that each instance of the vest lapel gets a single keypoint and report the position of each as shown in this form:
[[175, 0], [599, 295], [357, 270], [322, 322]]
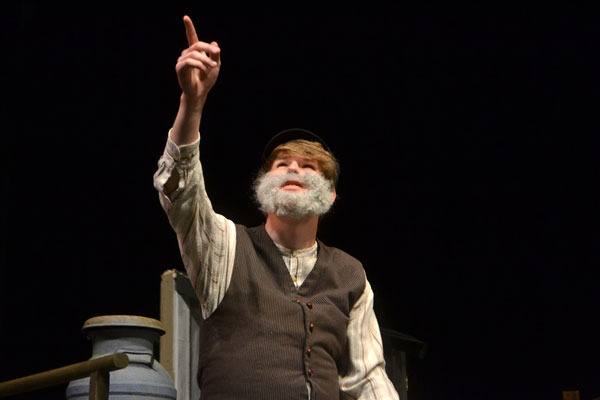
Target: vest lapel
[[311, 282], [266, 248]]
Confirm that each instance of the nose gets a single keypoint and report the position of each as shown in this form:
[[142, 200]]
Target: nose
[[293, 167]]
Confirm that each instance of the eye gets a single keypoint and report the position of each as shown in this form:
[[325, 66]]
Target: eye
[[280, 164], [310, 166]]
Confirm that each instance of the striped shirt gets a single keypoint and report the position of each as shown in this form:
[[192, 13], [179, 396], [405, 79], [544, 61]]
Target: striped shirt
[[207, 242]]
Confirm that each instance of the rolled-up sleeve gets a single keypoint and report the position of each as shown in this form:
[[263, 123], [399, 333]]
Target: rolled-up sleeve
[[366, 378], [206, 239]]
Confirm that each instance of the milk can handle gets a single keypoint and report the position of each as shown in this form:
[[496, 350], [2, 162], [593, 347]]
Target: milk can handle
[[137, 356]]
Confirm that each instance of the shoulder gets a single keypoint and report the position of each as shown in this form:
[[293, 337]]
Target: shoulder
[[343, 260], [248, 230], [338, 254], [344, 257]]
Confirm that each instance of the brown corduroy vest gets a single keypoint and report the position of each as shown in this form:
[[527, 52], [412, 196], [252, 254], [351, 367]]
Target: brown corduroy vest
[[266, 338]]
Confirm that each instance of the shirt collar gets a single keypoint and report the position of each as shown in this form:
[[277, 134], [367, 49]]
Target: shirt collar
[[301, 252]]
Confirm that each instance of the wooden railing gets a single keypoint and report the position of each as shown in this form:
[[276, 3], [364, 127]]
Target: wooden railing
[[97, 369]]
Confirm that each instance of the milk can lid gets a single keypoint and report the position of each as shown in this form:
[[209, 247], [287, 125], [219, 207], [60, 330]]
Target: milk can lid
[[123, 321]]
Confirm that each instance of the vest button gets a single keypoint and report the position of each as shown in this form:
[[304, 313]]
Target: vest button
[[308, 350], [310, 372], [311, 326], [309, 305]]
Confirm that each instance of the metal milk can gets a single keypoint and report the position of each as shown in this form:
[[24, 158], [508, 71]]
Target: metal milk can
[[144, 377]]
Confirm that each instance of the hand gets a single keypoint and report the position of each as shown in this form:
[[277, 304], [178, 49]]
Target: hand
[[197, 67]]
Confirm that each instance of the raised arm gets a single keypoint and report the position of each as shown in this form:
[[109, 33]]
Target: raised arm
[[197, 71], [206, 239]]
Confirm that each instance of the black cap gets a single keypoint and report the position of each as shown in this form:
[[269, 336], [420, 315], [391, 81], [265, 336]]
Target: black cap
[[288, 135]]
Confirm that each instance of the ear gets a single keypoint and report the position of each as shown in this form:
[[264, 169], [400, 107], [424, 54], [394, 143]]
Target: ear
[[333, 196]]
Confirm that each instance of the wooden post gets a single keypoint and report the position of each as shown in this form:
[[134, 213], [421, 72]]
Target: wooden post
[[99, 385]]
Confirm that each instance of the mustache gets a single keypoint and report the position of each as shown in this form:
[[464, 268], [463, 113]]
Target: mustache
[[315, 200], [305, 180]]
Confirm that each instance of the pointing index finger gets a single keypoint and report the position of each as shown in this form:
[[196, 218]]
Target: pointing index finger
[[190, 31]]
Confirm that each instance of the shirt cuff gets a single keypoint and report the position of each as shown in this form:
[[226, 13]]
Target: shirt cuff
[[184, 151]]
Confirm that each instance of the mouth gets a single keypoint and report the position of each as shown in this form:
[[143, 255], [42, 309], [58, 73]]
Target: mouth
[[292, 185]]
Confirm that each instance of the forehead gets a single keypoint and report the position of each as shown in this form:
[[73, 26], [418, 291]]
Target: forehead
[[289, 156], [292, 155]]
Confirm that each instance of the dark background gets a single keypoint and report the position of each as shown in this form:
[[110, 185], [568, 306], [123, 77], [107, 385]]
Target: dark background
[[469, 185]]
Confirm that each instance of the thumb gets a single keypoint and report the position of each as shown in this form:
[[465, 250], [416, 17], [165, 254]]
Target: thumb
[[217, 56]]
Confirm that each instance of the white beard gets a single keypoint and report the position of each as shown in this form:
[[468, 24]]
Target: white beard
[[315, 200]]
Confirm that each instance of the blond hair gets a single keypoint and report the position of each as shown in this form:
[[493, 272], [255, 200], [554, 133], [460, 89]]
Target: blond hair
[[327, 162]]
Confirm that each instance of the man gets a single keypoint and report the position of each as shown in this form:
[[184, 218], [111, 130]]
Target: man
[[284, 315]]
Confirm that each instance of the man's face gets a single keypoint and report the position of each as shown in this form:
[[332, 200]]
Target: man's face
[[294, 187], [288, 164]]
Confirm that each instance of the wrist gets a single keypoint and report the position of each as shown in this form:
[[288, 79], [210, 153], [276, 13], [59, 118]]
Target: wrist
[[192, 104]]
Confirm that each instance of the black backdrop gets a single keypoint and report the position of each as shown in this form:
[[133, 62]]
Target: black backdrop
[[468, 186]]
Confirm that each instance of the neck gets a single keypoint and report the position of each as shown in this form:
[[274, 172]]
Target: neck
[[294, 234]]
